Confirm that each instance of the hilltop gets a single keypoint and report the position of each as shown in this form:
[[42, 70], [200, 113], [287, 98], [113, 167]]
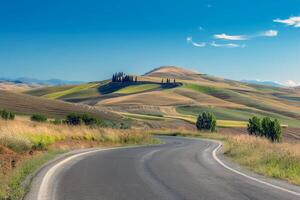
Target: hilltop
[[172, 71]]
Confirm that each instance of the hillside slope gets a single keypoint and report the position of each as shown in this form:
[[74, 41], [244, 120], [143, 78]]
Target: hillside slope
[[191, 94], [26, 104]]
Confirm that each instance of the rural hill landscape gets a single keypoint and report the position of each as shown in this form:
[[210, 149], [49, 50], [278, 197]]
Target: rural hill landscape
[[149, 100], [38, 123]]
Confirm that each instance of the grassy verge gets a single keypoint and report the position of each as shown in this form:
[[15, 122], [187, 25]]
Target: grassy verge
[[25, 146], [12, 184], [276, 160]]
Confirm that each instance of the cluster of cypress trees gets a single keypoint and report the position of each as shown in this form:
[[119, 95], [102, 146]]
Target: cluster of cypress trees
[[168, 81], [265, 127], [122, 77]]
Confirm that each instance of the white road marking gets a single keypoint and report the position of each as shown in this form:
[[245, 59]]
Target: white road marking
[[43, 190], [43, 193], [247, 176]]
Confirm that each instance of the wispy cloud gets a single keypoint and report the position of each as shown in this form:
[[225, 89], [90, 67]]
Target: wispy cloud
[[227, 45], [230, 37], [292, 21], [269, 33], [190, 41]]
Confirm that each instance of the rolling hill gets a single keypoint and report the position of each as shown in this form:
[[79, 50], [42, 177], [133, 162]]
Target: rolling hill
[[232, 102], [26, 105]]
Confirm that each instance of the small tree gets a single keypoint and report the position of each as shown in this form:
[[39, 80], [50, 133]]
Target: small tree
[[254, 126], [7, 115], [266, 127], [73, 119], [206, 121], [275, 134], [38, 118], [77, 119]]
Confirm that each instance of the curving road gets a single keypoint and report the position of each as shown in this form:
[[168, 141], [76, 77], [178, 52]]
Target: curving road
[[180, 169]]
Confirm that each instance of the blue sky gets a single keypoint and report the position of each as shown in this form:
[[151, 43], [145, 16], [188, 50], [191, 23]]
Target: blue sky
[[90, 39]]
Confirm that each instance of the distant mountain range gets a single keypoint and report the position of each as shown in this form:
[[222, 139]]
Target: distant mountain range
[[269, 83], [33, 81]]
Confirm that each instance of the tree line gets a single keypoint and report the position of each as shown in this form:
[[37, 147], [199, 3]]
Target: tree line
[[122, 77], [168, 81]]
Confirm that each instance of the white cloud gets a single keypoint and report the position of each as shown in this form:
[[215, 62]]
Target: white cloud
[[269, 33], [291, 83], [230, 37], [190, 41], [228, 45], [292, 21]]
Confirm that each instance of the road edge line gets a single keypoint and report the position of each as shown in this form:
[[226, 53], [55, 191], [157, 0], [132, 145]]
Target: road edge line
[[43, 189], [214, 154]]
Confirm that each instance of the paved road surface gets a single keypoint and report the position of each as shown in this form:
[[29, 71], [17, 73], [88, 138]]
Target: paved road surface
[[181, 169]]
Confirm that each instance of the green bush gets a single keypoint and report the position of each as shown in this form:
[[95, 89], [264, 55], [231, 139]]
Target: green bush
[[206, 121], [78, 119], [254, 126], [266, 127], [38, 118], [7, 115]]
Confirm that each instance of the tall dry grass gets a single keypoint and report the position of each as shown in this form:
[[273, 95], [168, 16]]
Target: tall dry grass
[[278, 160], [22, 135]]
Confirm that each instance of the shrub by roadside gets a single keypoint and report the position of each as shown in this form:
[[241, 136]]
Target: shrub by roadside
[[6, 115], [38, 118], [266, 127]]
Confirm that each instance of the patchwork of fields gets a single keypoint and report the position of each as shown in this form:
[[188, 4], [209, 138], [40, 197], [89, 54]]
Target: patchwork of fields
[[232, 102]]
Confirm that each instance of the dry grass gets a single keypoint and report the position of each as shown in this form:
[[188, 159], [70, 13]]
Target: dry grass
[[278, 160], [30, 144], [22, 135]]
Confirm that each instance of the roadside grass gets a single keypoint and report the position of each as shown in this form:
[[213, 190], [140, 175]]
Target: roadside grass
[[26, 145], [12, 184], [137, 88], [60, 94], [276, 160]]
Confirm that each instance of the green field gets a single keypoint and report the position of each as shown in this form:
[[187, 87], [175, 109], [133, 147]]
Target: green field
[[137, 88], [48, 90], [75, 89], [236, 114]]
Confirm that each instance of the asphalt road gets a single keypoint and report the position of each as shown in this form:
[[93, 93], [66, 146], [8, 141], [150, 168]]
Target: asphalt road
[[180, 169]]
